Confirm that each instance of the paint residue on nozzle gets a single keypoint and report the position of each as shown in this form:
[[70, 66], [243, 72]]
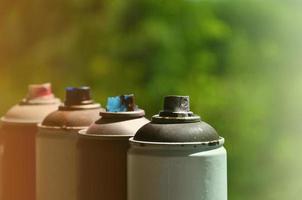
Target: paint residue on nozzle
[[36, 91], [121, 103]]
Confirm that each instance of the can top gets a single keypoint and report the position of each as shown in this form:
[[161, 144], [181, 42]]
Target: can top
[[78, 111], [39, 102], [122, 119], [176, 124]]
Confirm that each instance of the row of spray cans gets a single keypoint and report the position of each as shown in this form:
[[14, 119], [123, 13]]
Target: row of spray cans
[[78, 150]]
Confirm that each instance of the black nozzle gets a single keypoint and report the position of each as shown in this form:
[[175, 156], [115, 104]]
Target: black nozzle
[[78, 96], [129, 102], [176, 106]]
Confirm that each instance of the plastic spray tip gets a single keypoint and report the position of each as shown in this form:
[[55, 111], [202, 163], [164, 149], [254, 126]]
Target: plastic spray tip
[[36, 91], [121, 103], [78, 96], [176, 106]]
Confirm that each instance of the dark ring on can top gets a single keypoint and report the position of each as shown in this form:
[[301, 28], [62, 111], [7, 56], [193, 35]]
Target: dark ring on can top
[[167, 119], [213, 144], [80, 107], [41, 101], [129, 114]]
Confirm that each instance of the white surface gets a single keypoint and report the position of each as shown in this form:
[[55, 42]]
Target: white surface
[[155, 174], [56, 165]]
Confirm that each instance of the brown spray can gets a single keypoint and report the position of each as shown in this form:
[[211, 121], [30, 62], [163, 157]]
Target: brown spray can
[[103, 150], [56, 145], [18, 131]]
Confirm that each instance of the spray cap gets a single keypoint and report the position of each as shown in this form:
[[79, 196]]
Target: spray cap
[[78, 96], [36, 91], [39, 94], [123, 103], [176, 110], [176, 106]]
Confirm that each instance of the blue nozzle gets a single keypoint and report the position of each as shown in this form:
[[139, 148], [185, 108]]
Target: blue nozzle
[[121, 103]]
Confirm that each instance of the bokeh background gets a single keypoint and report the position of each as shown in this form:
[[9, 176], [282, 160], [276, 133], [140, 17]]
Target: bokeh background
[[240, 62]]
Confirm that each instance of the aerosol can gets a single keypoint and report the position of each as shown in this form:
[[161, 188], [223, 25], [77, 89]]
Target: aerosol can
[[56, 145], [177, 156], [18, 131], [103, 150]]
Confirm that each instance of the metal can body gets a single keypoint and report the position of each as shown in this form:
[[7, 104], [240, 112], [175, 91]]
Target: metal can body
[[18, 166], [56, 164], [176, 174], [56, 152], [103, 155], [102, 171], [1, 161], [177, 156], [18, 131]]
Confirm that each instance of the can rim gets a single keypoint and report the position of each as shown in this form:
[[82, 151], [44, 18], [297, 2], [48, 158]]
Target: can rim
[[18, 122], [129, 114], [39, 101], [63, 107], [83, 134], [40, 126], [208, 144]]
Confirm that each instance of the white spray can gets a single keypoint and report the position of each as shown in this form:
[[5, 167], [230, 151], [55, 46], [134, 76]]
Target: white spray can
[[56, 147], [177, 157]]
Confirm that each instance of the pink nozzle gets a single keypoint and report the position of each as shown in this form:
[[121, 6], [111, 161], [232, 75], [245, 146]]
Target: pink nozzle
[[39, 91]]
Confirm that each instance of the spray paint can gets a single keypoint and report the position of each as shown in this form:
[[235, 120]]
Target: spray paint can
[[103, 150], [56, 145], [177, 156], [1, 161], [19, 128]]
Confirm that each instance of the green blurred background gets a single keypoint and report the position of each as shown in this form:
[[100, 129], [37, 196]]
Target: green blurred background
[[240, 62]]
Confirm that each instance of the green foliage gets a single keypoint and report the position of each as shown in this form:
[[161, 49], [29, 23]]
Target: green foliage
[[233, 58]]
